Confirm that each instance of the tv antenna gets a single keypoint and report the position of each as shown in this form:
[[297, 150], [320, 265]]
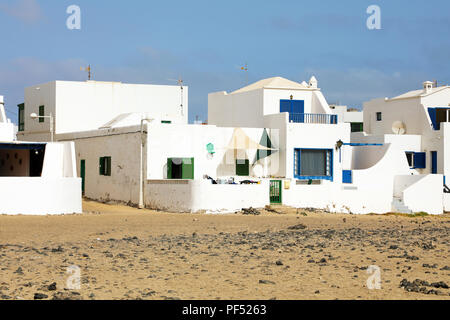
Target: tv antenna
[[88, 70], [180, 83], [245, 68]]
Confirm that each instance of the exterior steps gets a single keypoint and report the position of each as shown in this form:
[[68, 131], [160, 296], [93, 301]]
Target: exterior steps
[[399, 207]]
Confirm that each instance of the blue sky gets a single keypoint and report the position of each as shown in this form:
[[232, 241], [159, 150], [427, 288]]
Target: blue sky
[[206, 42]]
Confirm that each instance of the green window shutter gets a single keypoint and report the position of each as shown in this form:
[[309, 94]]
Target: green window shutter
[[242, 167], [108, 166], [101, 166], [41, 113], [169, 168], [21, 119], [187, 171]]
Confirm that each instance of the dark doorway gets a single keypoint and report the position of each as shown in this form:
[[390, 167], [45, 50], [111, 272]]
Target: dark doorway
[[36, 162], [177, 168], [83, 174]]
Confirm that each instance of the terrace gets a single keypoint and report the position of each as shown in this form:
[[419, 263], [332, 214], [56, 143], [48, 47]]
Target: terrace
[[321, 118]]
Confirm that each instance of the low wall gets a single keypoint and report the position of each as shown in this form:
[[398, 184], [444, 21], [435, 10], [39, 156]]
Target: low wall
[[446, 201], [202, 195], [339, 198], [40, 196], [421, 193]]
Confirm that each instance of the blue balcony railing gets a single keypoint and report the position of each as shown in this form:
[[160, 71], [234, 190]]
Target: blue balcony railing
[[313, 118]]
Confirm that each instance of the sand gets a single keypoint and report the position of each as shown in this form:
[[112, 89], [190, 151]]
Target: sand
[[126, 253]]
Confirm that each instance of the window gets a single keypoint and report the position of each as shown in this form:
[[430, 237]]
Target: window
[[439, 115], [347, 176], [410, 158], [180, 168], [416, 160], [21, 119], [379, 116], [41, 113], [105, 166], [242, 167], [356, 126], [313, 164]]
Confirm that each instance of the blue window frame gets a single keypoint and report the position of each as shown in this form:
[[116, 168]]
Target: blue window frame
[[434, 162], [313, 164]]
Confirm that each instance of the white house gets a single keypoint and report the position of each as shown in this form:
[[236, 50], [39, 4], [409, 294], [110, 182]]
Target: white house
[[36, 178], [87, 105], [349, 115], [417, 123]]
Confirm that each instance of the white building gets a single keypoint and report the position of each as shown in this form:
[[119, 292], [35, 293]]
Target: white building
[[36, 178], [87, 105], [274, 141], [417, 123], [349, 115]]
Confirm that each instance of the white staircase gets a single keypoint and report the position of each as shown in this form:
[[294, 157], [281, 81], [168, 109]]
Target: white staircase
[[399, 207]]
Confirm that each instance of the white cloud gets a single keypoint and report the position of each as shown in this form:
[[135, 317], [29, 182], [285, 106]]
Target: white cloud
[[27, 11]]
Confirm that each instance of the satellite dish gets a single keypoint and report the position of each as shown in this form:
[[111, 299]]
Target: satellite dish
[[398, 127]]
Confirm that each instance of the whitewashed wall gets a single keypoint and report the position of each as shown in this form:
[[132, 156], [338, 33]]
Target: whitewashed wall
[[40, 196], [123, 146], [57, 191], [81, 106], [247, 109], [189, 141], [317, 136], [201, 195]]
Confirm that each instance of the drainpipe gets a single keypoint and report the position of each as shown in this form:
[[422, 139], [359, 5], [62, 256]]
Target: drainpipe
[[141, 165]]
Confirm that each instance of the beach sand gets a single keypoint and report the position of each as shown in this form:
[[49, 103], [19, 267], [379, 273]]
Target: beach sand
[[126, 253]]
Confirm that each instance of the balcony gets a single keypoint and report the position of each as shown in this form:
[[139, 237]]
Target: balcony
[[321, 118]]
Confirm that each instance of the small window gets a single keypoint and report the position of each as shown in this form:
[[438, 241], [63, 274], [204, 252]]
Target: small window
[[105, 166], [180, 168], [21, 119], [41, 113], [166, 121], [242, 167], [379, 116], [356, 126]]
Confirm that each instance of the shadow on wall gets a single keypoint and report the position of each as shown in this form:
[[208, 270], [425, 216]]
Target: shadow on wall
[[365, 157]]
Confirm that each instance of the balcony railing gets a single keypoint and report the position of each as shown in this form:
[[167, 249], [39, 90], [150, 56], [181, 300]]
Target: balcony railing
[[313, 118]]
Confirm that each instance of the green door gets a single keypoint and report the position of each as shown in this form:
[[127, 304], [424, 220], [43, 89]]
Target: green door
[[82, 174], [275, 191]]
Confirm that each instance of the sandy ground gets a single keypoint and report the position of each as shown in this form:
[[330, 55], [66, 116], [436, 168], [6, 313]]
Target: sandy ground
[[126, 253]]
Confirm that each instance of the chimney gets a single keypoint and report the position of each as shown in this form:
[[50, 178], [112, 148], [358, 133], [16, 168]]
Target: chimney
[[313, 82], [427, 87]]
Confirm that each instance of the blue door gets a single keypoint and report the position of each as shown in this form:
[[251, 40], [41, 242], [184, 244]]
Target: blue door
[[434, 162], [293, 107]]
